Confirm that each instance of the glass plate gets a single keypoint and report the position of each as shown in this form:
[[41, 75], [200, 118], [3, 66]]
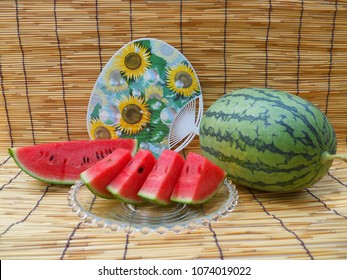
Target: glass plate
[[147, 218]]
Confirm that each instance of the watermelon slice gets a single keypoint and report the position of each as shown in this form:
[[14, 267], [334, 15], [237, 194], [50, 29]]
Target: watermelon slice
[[63, 162], [199, 180], [161, 181], [129, 181], [97, 177]]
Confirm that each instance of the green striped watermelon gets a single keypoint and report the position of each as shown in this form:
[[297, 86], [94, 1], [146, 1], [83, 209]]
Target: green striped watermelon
[[268, 139]]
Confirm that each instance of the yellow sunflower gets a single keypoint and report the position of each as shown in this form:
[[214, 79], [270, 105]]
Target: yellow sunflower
[[114, 81], [182, 80], [132, 61], [153, 91], [134, 115], [98, 130], [99, 97], [171, 55]]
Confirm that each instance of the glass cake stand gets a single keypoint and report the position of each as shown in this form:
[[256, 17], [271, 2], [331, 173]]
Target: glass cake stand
[[146, 218]]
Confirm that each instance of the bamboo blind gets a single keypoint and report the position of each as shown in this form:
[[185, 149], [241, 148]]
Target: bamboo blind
[[51, 53]]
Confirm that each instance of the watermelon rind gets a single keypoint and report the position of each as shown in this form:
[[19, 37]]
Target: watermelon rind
[[152, 199], [190, 201], [92, 189], [12, 153], [117, 195]]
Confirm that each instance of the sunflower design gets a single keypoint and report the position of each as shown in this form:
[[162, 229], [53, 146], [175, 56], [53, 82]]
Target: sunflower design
[[98, 130], [132, 61], [153, 91], [182, 80], [114, 81], [98, 97], [171, 55], [134, 115]]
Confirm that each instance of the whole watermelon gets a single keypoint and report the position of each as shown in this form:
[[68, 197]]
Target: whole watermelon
[[268, 139]]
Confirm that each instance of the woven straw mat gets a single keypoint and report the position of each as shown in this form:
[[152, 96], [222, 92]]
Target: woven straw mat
[[51, 53]]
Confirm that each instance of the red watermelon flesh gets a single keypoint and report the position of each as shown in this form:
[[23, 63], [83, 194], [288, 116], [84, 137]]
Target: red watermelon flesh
[[161, 181], [98, 176], [129, 181], [199, 180], [63, 162]]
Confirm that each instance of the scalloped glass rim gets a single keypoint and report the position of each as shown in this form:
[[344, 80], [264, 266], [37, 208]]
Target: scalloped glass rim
[[161, 219]]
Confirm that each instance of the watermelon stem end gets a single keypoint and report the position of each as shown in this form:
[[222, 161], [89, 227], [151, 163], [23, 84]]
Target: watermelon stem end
[[327, 157]]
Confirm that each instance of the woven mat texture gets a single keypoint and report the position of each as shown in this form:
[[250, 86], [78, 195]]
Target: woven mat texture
[[51, 53]]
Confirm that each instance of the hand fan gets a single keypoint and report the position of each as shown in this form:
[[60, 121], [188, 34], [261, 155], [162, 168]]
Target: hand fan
[[148, 90]]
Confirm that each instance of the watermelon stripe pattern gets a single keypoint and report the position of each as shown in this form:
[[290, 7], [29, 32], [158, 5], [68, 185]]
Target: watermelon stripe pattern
[[267, 139]]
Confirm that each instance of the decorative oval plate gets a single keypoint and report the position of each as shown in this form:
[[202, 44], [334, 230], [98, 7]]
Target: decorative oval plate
[[146, 218], [149, 91]]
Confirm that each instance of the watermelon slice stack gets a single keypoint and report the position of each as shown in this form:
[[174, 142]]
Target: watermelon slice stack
[[116, 169], [170, 179]]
